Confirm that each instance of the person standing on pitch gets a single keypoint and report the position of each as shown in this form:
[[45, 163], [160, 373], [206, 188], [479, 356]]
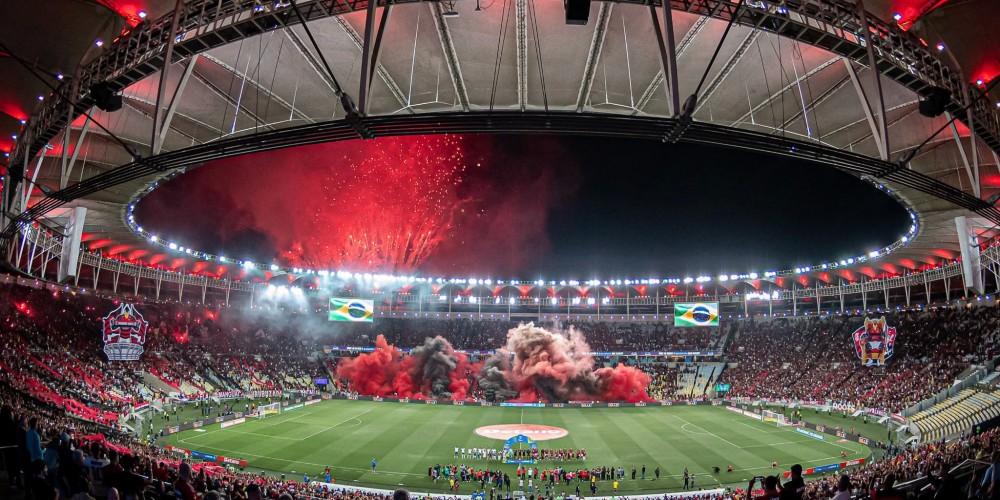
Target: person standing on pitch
[[373, 466], [656, 472], [643, 472]]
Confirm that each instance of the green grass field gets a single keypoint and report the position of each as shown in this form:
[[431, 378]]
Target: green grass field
[[406, 439]]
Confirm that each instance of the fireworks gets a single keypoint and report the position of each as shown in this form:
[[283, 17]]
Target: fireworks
[[385, 207]]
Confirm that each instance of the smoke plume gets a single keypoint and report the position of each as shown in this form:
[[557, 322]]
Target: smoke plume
[[557, 367], [535, 364], [374, 373]]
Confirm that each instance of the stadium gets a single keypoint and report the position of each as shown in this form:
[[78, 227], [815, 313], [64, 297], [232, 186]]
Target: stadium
[[324, 249]]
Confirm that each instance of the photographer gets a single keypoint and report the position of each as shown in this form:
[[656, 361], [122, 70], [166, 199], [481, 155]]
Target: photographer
[[769, 487]]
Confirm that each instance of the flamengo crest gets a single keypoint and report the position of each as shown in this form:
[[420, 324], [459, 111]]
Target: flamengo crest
[[124, 334], [874, 341]]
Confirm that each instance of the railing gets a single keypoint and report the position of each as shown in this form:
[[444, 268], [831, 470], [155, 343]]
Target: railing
[[398, 303]]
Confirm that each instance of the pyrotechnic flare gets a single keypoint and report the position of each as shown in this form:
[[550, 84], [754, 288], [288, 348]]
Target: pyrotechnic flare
[[388, 210]]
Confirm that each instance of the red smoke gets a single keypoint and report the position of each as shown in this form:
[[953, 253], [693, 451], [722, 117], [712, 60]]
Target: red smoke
[[433, 369], [548, 366], [623, 383], [372, 374], [557, 366]]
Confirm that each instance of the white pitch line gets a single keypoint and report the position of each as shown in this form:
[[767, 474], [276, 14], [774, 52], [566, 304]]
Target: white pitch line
[[759, 430], [708, 432], [336, 424], [262, 435], [243, 454], [267, 424]]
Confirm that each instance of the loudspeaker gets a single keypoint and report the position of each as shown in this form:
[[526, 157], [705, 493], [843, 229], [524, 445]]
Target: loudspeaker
[[577, 11], [935, 103], [105, 97]]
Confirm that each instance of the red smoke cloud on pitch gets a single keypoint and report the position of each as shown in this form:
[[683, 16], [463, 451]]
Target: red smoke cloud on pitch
[[433, 369], [548, 366], [557, 366], [372, 374]]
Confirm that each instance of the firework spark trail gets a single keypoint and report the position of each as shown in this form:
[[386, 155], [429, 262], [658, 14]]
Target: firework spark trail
[[387, 210]]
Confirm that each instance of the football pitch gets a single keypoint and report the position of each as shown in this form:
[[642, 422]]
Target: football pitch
[[406, 439]]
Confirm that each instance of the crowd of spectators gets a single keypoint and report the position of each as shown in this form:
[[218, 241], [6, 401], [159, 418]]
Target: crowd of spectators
[[491, 334], [815, 358], [60, 395]]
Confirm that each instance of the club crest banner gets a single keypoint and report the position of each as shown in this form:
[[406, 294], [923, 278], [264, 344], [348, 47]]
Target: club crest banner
[[124, 333], [874, 342]]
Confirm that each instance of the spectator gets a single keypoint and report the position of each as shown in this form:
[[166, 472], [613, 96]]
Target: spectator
[[182, 486]]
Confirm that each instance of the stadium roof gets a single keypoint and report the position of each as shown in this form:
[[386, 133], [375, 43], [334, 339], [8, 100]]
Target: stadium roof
[[244, 71]]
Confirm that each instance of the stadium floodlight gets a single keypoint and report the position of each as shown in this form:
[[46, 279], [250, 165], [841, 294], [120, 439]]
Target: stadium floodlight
[[688, 280], [723, 278], [442, 297], [249, 265], [606, 300], [850, 261], [591, 301], [554, 301], [753, 276], [472, 300], [873, 254], [274, 267], [512, 301], [172, 246]]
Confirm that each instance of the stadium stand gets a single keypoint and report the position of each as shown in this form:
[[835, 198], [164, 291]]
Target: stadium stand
[[957, 414], [779, 359], [52, 371]]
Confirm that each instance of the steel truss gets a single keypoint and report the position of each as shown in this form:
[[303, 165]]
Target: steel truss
[[593, 124], [835, 25]]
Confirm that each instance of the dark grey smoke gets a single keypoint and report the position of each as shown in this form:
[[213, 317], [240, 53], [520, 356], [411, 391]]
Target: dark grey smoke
[[433, 364], [492, 381]]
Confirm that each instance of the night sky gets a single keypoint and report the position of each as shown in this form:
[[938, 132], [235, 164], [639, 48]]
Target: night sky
[[526, 206]]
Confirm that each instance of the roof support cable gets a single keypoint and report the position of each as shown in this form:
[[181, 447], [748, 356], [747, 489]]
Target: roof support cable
[[692, 100], [350, 108]]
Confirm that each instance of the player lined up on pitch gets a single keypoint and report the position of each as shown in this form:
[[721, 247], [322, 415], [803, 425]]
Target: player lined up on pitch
[[563, 454]]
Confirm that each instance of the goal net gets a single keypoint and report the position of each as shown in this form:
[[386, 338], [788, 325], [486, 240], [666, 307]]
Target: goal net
[[271, 409], [777, 418]]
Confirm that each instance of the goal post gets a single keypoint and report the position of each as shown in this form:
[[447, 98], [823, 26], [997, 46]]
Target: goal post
[[271, 409], [777, 418]]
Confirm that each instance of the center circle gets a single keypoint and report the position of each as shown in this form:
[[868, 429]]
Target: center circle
[[535, 432]]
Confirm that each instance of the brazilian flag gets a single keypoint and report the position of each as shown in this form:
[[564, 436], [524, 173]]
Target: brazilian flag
[[696, 314], [346, 309]]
